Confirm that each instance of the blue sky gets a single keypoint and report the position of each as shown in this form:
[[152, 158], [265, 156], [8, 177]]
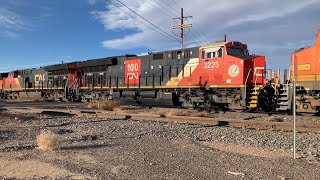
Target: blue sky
[[35, 33], [53, 31]]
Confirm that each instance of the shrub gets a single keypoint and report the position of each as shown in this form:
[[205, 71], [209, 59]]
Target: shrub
[[109, 105], [47, 141]]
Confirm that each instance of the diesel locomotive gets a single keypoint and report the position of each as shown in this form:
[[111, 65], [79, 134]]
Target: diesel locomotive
[[221, 75], [217, 75]]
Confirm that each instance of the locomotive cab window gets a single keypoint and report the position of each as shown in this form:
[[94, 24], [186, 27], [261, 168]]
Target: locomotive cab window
[[178, 54], [235, 51], [187, 53], [158, 56], [209, 53]]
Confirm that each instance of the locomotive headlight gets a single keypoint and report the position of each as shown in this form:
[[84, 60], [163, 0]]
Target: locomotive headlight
[[234, 70]]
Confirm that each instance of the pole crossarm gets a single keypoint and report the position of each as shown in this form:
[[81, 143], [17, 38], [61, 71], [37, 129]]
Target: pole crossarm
[[179, 26], [185, 17], [182, 26]]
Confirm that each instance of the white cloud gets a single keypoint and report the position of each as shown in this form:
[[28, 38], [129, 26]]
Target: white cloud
[[11, 23], [266, 24], [92, 2], [9, 34]]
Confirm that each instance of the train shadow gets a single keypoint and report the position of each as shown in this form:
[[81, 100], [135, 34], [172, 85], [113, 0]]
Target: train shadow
[[222, 123], [17, 148], [89, 146], [56, 113]]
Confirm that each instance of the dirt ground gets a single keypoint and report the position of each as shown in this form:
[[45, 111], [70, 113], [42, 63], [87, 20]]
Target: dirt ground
[[124, 149]]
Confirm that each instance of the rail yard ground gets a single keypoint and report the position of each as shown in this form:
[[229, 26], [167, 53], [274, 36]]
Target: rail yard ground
[[98, 148]]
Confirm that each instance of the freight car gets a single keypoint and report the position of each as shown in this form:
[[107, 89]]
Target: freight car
[[217, 75], [305, 68], [306, 63]]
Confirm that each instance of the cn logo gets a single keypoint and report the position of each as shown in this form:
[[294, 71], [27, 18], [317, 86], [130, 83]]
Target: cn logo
[[258, 71], [39, 78], [132, 71]]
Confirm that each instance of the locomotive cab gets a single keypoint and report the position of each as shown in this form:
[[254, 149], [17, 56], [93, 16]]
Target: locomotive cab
[[229, 64]]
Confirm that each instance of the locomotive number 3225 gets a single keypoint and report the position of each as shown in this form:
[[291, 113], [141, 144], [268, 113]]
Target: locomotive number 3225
[[211, 65]]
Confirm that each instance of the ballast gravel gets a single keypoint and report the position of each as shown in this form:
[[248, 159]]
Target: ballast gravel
[[125, 149]]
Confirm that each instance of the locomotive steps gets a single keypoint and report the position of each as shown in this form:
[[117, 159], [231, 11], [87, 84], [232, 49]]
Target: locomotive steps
[[111, 115]]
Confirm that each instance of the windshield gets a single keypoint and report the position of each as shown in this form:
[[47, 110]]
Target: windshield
[[236, 52]]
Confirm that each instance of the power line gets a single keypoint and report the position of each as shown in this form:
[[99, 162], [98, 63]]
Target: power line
[[196, 26], [147, 20], [164, 7], [194, 40], [170, 6], [133, 16], [202, 37], [156, 27], [196, 33], [159, 9], [200, 32], [182, 26]]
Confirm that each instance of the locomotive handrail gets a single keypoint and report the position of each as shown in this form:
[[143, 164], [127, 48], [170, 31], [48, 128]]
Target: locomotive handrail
[[255, 82], [245, 84], [70, 86]]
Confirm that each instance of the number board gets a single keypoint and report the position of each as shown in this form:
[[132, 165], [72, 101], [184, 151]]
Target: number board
[[132, 71]]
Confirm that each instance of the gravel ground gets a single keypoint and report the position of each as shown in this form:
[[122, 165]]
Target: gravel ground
[[281, 117], [125, 149], [277, 117]]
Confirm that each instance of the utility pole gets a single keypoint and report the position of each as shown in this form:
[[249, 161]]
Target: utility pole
[[182, 26], [294, 107]]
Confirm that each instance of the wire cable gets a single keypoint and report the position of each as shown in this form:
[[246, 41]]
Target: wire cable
[[196, 26], [202, 38], [170, 6], [159, 9], [164, 8], [147, 20], [155, 27]]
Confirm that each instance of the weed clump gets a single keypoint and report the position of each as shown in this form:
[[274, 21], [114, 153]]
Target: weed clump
[[47, 141], [274, 119], [109, 105], [183, 112]]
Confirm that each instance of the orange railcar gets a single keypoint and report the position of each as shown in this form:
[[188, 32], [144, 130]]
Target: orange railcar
[[305, 66]]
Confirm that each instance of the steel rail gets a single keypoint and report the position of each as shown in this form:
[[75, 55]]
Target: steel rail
[[247, 124]]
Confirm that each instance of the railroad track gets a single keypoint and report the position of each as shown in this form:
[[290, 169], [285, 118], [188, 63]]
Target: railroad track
[[221, 122]]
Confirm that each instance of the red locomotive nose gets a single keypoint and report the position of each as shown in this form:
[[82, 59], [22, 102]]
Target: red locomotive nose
[[259, 69], [254, 70]]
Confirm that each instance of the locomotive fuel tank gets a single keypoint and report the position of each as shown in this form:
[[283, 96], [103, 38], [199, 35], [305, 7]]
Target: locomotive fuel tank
[[147, 98]]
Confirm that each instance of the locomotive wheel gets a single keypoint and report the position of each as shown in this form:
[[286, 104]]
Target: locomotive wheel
[[175, 100], [266, 99]]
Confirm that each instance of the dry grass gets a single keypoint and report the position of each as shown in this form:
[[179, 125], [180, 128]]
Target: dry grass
[[47, 141], [109, 105], [201, 114], [273, 119], [183, 112]]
